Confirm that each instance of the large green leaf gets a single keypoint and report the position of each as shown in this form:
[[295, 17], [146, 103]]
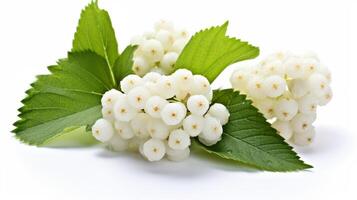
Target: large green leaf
[[249, 139], [210, 51], [95, 33], [66, 99], [123, 65]]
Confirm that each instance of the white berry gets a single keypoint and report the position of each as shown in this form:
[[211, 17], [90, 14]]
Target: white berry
[[197, 104], [285, 109], [102, 130], [179, 139], [212, 129], [193, 125], [158, 129], [124, 130], [154, 106], [129, 82], [154, 149], [138, 96], [284, 129], [220, 112], [173, 113]]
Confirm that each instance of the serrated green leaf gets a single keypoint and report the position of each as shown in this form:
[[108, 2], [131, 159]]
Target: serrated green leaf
[[95, 33], [249, 139], [68, 97], [123, 65], [210, 51]]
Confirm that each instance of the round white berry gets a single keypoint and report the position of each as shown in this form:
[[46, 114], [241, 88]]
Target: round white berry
[[129, 82], [173, 113], [166, 38], [107, 113], [123, 111], [138, 96], [255, 87], [239, 80], [310, 65], [274, 86], [116, 143], [110, 97], [197, 104], [168, 61], [139, 125], [183, 79], [193, 125], [317, 83], [301, 122], [154, 106], [154, 149], [326, 97], [152, 77], [304, 138], [178, 45], [294, 68], [201, 85], [153, 50], [274, 68], [179, 139], [307, 104], [284, 129], [285, 109], [102, 130], [298, 88], [220, 112], [124, 130], [166, 87], [140, 66], [158, 129], [212, 129], [266, 107]]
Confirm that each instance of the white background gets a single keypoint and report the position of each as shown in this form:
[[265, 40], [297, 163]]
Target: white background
[[34, 34]]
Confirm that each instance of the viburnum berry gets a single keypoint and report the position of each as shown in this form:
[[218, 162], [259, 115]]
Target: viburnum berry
[[286, 88], [103, 130], [158, 114]]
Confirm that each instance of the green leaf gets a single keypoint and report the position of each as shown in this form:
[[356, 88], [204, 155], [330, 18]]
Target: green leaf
[[68, 97], [123, 65], [249, 139], [210, 51], [95, 33]]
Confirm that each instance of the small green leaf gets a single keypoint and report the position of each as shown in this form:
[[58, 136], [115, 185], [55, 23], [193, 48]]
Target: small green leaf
[[123, 65], [210, 51], [68, 97], [249, 139], [95, 33]]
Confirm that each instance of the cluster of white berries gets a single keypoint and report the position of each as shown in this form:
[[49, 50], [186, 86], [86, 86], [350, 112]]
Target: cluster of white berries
[[157, 115], [287, 89], [158, 51]]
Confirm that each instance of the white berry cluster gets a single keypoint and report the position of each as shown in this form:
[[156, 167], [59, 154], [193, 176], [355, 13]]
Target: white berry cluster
[[157, 115], [287, 89], [158, 51]]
